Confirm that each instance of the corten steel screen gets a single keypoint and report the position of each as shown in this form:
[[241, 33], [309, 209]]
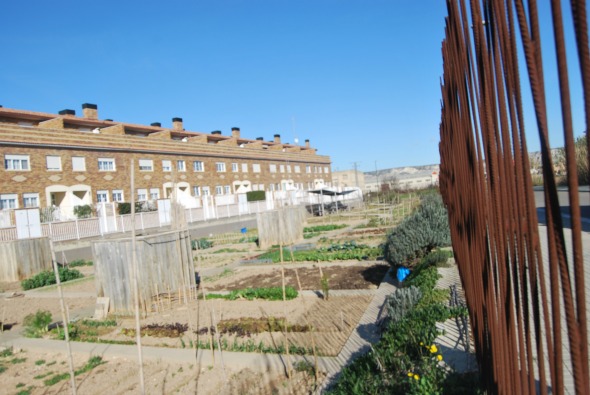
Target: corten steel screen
[[524, 284]]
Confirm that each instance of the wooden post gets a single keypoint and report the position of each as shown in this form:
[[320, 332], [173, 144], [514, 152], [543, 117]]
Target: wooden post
[[63, 317], [135, 284], [315, 356], [286, 328]]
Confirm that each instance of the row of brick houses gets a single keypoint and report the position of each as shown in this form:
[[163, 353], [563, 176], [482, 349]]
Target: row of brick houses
[[64, 160]]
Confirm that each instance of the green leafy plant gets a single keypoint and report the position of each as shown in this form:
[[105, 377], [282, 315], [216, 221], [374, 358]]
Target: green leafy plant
[[201, 244], [48, 278], [36, 324], [84, 211], [7, 352], [91, 364], [272, 293]]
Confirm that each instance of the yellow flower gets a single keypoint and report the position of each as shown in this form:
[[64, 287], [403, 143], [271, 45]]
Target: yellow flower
[[416, 377], [433, 349], [410, 374], [421, 343], [439, 357]]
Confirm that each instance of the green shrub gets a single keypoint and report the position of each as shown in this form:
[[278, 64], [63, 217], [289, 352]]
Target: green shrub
[[201, 244], [254, 196], [401, 302], [419, 233], [80, 262], [48, 278], [84, 211], [36, 324]]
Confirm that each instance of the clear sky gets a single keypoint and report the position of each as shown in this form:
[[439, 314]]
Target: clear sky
[[360, 79]]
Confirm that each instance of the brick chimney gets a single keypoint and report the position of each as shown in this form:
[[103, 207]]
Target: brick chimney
[[235, 132], [307, 144], [277, 138], [67, 112], [90, 111], [177, 124]]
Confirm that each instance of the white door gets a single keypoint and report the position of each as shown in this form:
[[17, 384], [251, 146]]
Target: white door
[[28, 223], [164, 211]]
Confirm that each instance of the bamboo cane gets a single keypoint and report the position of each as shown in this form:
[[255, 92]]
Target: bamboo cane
[[286, 328]]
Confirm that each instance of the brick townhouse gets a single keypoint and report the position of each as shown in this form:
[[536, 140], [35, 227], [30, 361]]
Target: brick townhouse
[[64, 160]]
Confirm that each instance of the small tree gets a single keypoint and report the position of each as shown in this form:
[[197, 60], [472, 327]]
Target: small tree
[[84, 211]]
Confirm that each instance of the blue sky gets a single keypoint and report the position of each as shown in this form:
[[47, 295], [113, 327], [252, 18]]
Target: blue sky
[[360, 79]]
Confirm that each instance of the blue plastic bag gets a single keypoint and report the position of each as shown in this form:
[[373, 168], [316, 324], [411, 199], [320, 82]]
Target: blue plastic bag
[[402, 273]]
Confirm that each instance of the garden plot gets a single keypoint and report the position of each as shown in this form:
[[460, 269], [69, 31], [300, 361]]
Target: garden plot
[[347, 276]]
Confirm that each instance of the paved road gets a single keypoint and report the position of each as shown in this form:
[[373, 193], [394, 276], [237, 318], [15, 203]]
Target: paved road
[[563, 195]]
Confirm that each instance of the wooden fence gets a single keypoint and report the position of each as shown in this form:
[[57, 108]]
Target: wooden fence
[[20, 259], [165, 266], [283, 226]]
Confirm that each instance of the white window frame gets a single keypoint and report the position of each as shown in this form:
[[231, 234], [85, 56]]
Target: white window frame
[[227, 189], [106, 164], [308, 169], [154, 193], [196, 190], [235, 168], [244, 167], [30, 200], [272, 168], [256, 167], [282, 168], [180, 165], [102, 196], [297, 169], [142, 194], [146, 165], [166, 165], [8, 201], [220, 167], [326, 169], [77, 161], [118, 195], [206, 191], [53, 162], [17, 162], [198, 166], [218, 190], [288, 168]]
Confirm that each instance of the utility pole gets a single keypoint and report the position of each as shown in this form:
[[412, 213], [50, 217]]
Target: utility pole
[[356, 174]]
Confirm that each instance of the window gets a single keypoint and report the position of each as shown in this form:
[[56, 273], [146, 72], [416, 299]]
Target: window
[[220, 167], [282, 168], [166, 165], [235, 167], [244, 167], [326, 169], [256, 168], [288, 168], [16, 162], [102, 196], [78, 163], [53, 163], [273, 168], [198, 166], [154, 193], [308, 169], [31, 199], [206, 191], [219, 190], [141, 195], [297, 169], [8, 200], [320, 169], [196, 190], [117, 195], [106, 164], [180, 165], [146, 165], [227, 189], [272, 187]]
